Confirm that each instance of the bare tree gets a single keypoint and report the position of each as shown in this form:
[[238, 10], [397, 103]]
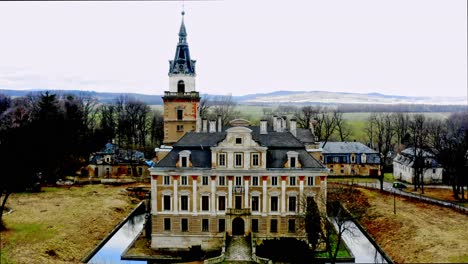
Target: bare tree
[[449, 140], [225, 107], [326, 125], [419, 141], [401, 122], [204, 106], [342, 126], [306, 114]]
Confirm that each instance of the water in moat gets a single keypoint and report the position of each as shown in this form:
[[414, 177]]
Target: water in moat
[[362, 249], [112, 250]]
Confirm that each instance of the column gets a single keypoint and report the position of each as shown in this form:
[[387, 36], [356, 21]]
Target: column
[[213, 194], [302, 200], [154, 194], [246, 192], [230, 191], [194, 192], [265, 197], [175, 205], [283, 194]]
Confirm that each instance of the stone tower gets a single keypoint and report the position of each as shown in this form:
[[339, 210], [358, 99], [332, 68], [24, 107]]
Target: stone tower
[[181, 102]]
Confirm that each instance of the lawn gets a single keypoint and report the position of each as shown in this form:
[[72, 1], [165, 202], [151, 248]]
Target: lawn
[[419, 232], [61, 225]]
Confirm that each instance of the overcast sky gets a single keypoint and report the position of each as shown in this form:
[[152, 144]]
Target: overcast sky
[[400, 47]]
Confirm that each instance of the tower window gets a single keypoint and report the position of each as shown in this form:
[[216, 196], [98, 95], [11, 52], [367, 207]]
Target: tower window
[[180, 114], [181, 87]]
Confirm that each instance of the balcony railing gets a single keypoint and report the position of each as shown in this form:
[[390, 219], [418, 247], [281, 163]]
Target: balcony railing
[[233, 211], [181, 95]]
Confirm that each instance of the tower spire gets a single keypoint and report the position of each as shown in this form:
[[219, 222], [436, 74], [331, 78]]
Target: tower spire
[[182, 64]]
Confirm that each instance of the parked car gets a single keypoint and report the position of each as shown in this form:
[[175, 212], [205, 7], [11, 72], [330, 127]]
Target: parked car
[[399, 185]]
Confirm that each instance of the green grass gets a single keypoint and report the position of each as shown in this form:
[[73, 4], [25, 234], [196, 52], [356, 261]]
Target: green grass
[[32, 232], [388, 177]]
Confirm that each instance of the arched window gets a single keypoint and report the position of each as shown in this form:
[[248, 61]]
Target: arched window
[[181, 87]]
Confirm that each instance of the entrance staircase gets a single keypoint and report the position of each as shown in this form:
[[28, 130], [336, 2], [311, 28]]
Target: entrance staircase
[[239, 250]]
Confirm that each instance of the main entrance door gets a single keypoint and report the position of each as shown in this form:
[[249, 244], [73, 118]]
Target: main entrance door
[[238, 227]]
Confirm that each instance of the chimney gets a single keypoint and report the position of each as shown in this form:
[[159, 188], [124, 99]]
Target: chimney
[[274, 123], [220, 124], [292, 127], [311, 125], [198, 124], [263, 127], [212, 126], [279, 127], [205, 125]]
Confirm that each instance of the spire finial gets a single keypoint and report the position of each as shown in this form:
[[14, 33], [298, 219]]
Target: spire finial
[[183, 8]]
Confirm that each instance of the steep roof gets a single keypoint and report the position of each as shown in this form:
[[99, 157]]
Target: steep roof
[[278, 144]]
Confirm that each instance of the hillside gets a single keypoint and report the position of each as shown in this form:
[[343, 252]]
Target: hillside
[[278, 97]]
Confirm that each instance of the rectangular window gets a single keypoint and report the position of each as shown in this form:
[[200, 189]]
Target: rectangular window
[[205, 180], [310, 180], [255, 225], [183, 180], [184, 224], [167, 180], [255, 181], [221, 180], [238, 180], [221, 203], [180, 114], [205, 203], [255, 203], [205, 225], [292, 181], [273, 225], [292, 204], [255, 159], [238, 160], [291, 226], [353, 159], [336, 159], [274, 181], [221, 225], [238, 141], [274, 204], [293, 162], [184, 203], [433, 171], [167, 224], [222, 160], [238, 202], [180, 128], [167, 202]]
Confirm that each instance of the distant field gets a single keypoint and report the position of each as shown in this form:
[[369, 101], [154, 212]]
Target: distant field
[[357, 121]]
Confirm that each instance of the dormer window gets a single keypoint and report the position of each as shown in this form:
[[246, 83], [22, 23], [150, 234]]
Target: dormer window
[[238, 141], [363, 158], [293, 159], [184, 159], [292, 162]]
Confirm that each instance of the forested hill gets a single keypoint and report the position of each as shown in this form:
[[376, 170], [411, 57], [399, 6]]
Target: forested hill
[[347, 100]]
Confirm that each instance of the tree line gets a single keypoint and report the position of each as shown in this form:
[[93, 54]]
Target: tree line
[[44, 137]]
